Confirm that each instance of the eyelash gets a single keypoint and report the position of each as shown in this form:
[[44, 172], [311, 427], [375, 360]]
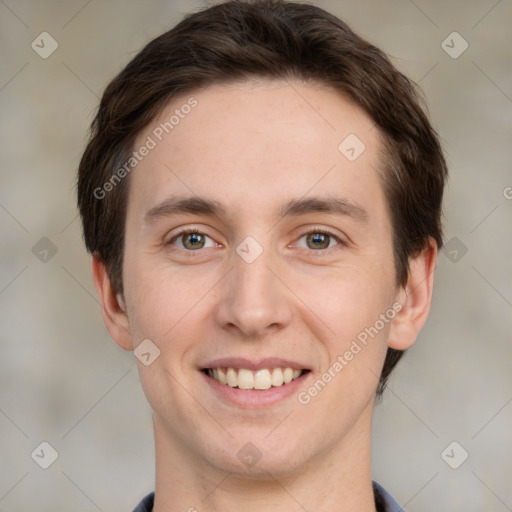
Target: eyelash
[[314, 230]]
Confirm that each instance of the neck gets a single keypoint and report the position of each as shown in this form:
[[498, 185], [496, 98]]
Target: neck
[[337, 480]]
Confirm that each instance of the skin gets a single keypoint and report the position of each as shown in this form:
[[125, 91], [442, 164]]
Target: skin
[[254, 146]]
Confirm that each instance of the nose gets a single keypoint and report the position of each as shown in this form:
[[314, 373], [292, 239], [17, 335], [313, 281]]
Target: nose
[[254, 301]]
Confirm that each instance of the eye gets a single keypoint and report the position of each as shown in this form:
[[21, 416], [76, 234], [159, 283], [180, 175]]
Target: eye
[[191, 240], [318, 239]]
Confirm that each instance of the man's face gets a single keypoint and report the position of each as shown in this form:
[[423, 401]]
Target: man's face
[[252, 290]]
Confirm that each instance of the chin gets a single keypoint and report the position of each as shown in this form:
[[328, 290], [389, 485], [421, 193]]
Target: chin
[[259, 458]]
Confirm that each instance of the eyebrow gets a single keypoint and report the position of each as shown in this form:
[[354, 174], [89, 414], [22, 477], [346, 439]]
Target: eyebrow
[[331, 205], [176, 205]]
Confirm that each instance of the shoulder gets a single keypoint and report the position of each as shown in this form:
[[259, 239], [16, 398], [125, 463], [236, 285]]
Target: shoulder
[[146, 505], [384, 501]]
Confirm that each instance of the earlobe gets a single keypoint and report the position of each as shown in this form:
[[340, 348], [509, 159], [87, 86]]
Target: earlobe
[[112, 305], [415, 299]]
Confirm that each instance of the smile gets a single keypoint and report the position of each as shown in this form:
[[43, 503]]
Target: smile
[[265, 378]]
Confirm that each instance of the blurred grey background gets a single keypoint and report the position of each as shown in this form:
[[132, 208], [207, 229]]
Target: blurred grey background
[[64, 382]]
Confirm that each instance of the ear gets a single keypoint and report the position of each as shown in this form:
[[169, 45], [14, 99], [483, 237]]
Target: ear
[[112, 305], [415, 298]]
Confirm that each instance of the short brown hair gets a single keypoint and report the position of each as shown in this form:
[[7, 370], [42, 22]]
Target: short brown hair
[[239, 40]]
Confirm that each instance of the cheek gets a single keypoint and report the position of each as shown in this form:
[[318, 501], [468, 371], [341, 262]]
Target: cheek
[[168, 305], [157, 309], [354, 309], [347, 301], [166, 308]]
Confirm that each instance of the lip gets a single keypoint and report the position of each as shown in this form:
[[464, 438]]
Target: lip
[[254, 364], [255, 398]]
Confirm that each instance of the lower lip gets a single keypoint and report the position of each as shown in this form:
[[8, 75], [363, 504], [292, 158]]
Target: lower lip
[[254, 398]]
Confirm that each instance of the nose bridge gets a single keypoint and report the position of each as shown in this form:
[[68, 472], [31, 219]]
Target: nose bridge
[[253, 299], [253, 279]]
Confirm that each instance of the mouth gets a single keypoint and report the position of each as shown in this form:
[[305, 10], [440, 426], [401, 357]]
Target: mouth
[[255, 379]]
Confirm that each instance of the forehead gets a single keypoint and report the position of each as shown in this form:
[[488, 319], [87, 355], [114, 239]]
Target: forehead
[[245, 144]]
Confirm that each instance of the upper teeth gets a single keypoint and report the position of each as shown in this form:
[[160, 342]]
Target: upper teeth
[[249, 379]]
